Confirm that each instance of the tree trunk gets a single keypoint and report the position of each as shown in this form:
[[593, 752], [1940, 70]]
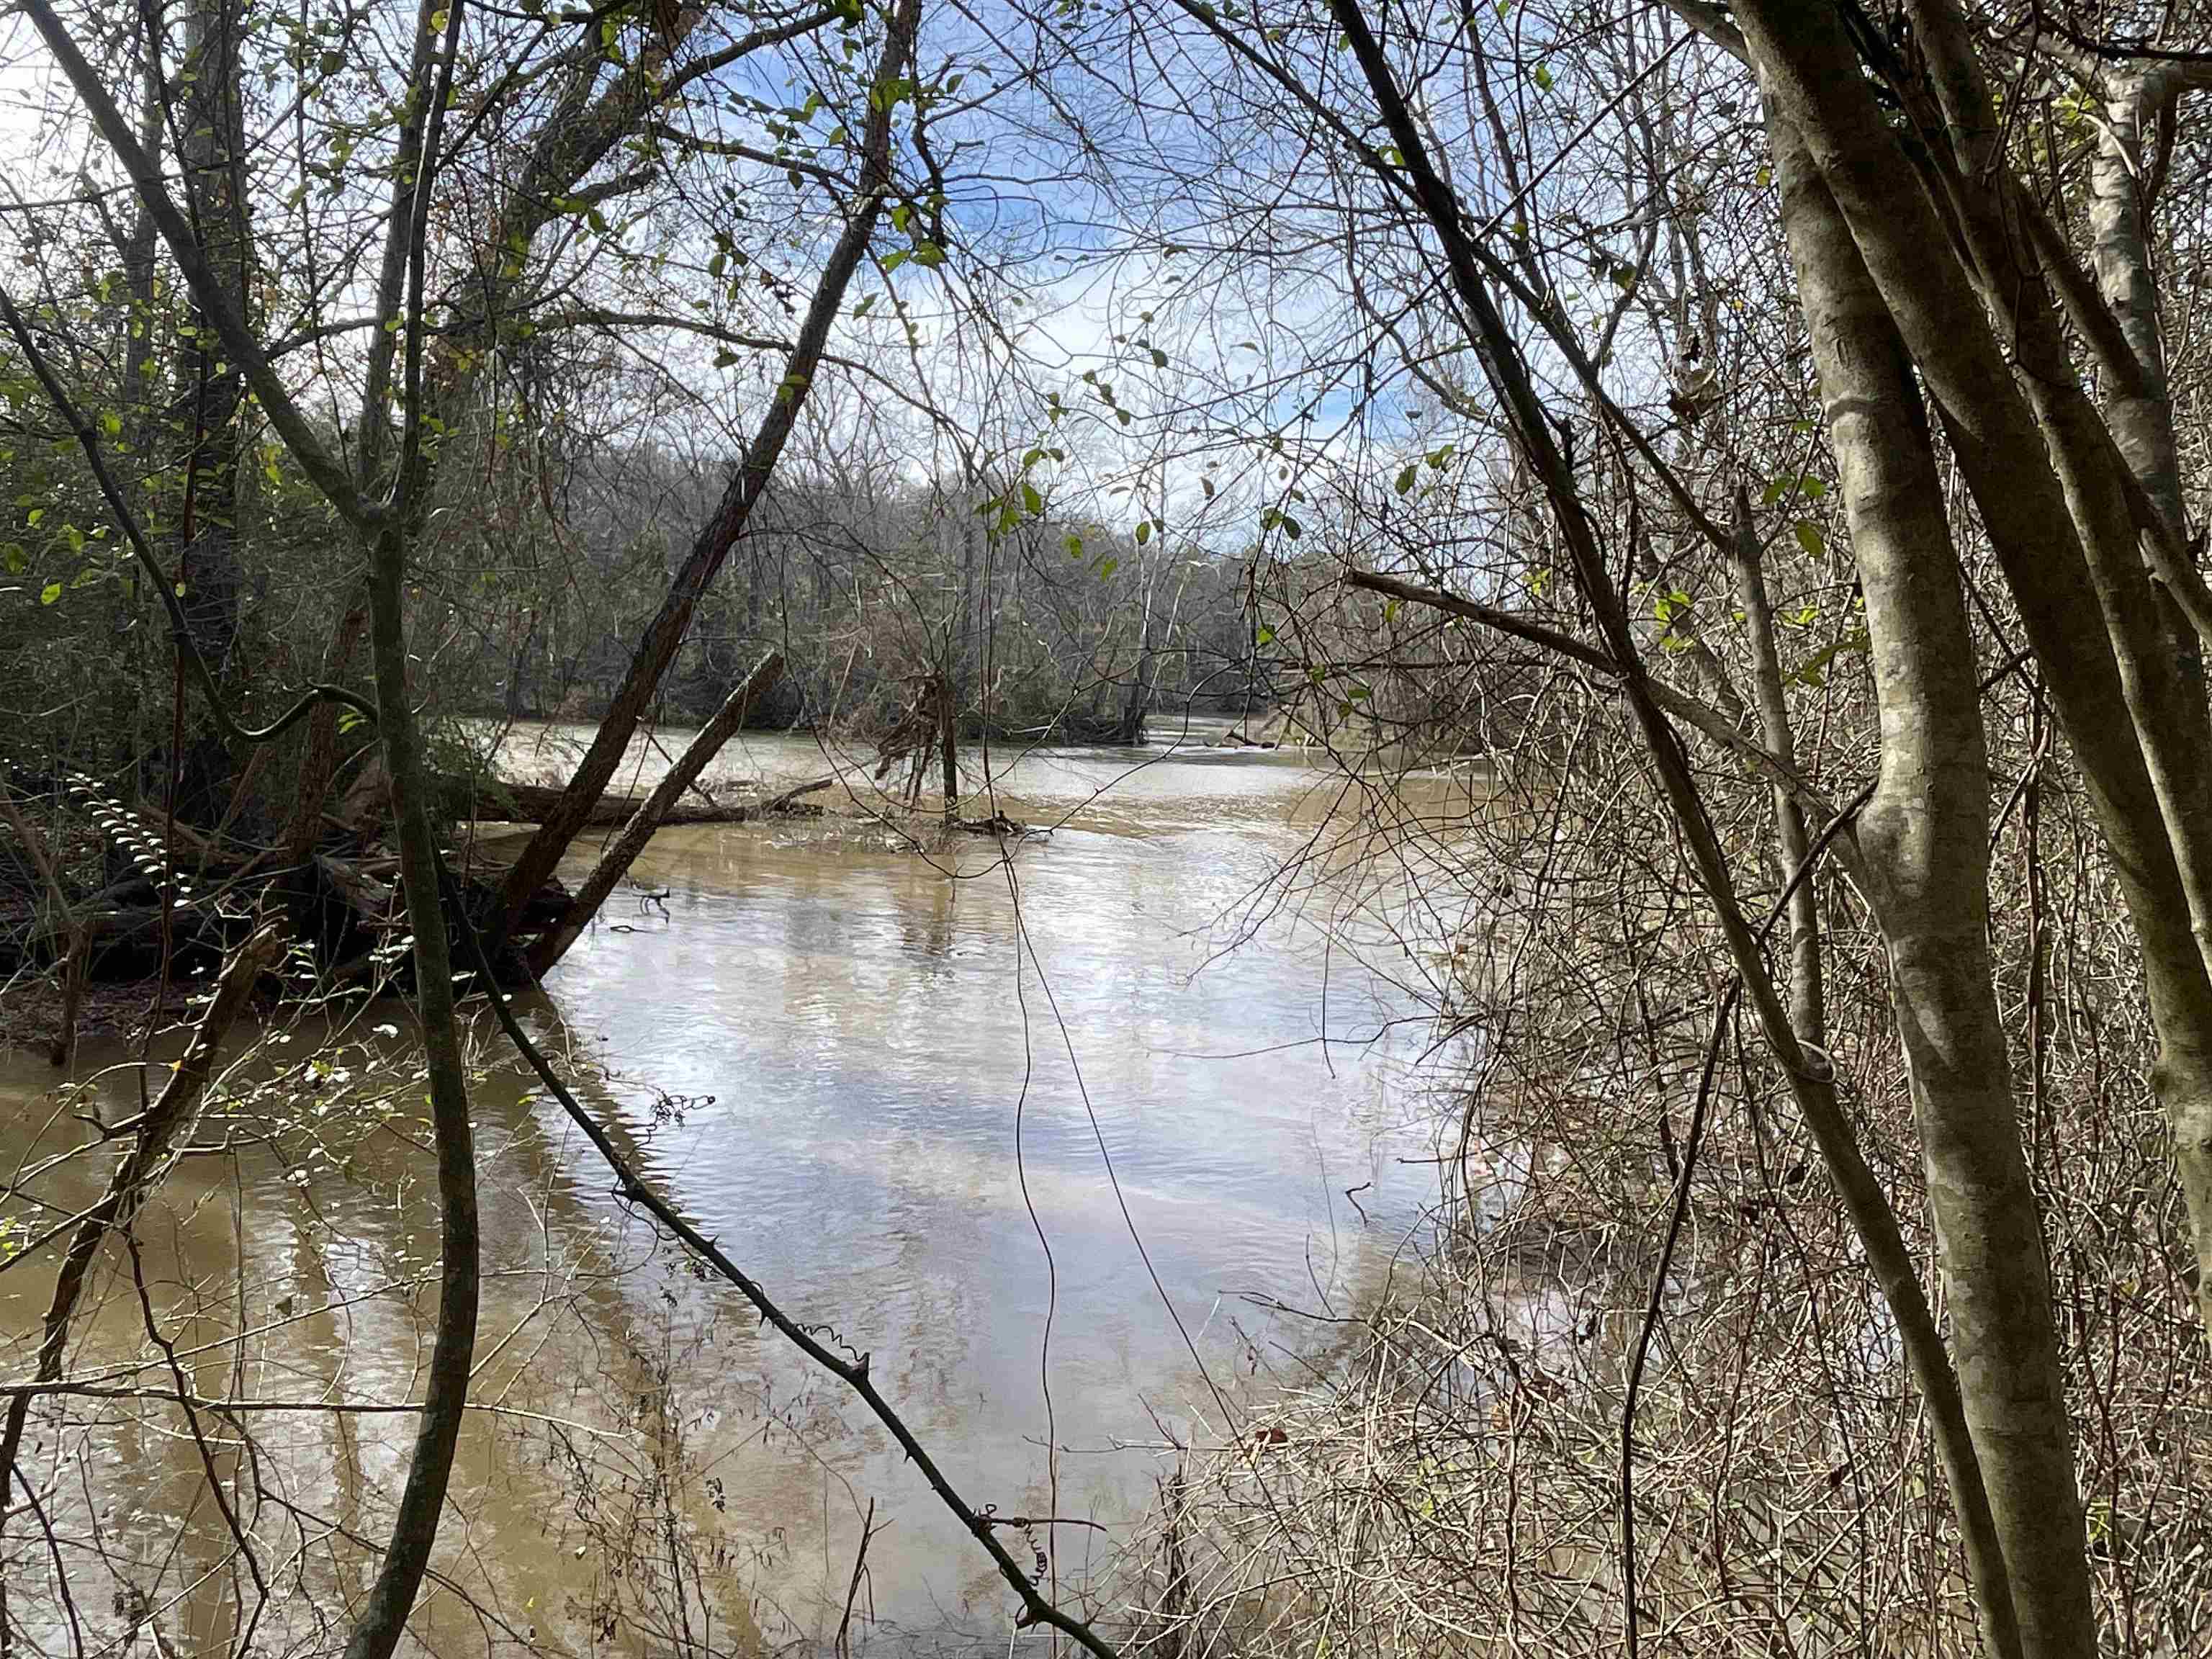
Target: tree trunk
[[1923, 836], [2123, 176], [211, 147], [948, 747], [422, 1500], [2164, 869], [1812, 1081], [1808, 1005], [657, 649], [615, 862]]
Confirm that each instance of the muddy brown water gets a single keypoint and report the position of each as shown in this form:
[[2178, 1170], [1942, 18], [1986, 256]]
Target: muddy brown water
[[890, 1082]]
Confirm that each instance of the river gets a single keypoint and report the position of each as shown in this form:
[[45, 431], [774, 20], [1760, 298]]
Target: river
[[1048, 1136]]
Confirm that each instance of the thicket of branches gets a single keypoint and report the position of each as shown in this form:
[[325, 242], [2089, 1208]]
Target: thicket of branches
[[1775, 430]]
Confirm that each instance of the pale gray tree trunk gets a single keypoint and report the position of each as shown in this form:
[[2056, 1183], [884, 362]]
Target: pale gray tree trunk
[[2138, 742], [2123, 176], [1923, 841]]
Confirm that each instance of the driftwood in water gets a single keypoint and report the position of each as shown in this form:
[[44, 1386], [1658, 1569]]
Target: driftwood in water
[[527, 802], [534, 803], [192, 897]]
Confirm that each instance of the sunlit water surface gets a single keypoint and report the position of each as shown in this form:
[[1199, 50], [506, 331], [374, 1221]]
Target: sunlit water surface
[[1030, 1134]]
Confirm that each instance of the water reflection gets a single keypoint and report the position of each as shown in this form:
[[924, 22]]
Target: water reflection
[[891, 1084]]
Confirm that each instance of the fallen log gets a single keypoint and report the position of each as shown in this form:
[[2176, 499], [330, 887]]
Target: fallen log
[[788, 800], [534, 803], [340, 900]]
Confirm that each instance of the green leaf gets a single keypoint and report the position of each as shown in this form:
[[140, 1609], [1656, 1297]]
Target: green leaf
[[1108, 569], [50, 593], [1810, 538], [1814, 668], [1265, 635], [1144, 531], [1543, 77], [1030, 499], [1406, 476]]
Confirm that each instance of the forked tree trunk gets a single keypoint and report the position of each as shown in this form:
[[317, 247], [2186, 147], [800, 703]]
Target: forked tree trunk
[[2141, 746], [614, 864], [2124, 175], [1923, 841], [1812, 1080]]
